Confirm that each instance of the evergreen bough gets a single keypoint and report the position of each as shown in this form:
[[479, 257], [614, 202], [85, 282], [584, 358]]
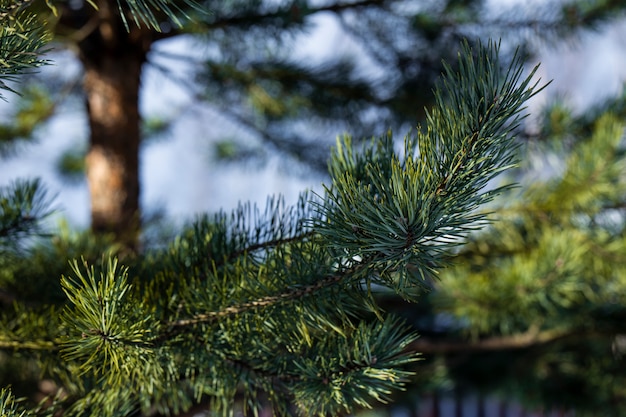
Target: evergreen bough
[[276, 306]]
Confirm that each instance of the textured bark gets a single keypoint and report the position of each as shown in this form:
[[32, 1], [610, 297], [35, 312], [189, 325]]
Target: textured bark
[[112, 58], [112, 161]]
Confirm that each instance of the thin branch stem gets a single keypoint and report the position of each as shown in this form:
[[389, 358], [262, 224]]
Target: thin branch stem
[[524, 340], [265, 245], [49, 345], [289, 295], [292, 11]]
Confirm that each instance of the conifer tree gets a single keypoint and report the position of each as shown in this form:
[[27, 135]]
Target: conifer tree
[[277, 305]]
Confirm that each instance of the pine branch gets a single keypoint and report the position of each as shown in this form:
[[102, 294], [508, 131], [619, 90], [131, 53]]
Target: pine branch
[[8, 8], [22, 39], [404, 212], [206, 318], [528, 339], [292, 13], [291, 294], [23, 205], [10, 406], [266, 245], [46, 345], [148, 12]]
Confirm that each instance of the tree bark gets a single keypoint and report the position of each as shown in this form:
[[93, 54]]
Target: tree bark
[[112, 58]]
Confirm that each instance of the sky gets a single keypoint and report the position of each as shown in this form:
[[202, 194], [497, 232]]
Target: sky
[[178, 173]]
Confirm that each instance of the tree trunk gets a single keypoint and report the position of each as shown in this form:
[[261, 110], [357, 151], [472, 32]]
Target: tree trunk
[[112, 58]]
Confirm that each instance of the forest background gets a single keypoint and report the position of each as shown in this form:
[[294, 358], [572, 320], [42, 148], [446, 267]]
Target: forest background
[[586, 67]]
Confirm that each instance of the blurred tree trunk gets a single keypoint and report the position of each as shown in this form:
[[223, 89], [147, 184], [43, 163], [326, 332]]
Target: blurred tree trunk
[[112, 58]]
